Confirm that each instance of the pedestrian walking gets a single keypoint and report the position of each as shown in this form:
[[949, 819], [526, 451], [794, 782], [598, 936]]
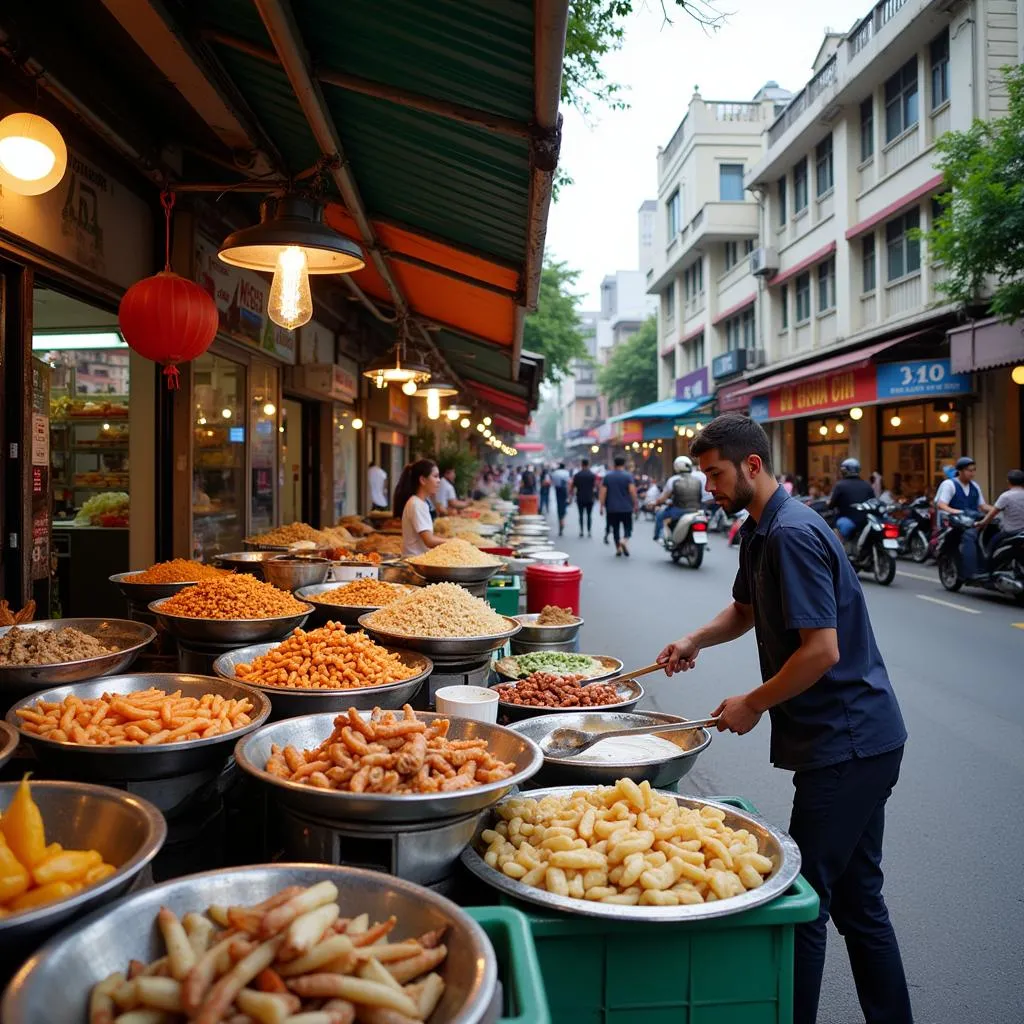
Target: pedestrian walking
[[835, 720], [560, 481], [620, 504], [545, 490], [582, 492]]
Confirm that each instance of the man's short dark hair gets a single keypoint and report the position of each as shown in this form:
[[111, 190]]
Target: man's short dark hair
[[1015, 478], [620, 461], [735, 437], [584, 463]]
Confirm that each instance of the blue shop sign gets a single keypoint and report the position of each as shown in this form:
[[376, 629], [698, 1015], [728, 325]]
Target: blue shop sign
[[729, 363], [920, 378], [759, 408]]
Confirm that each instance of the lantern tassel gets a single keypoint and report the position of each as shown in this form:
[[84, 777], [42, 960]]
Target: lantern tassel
[[173, 377]]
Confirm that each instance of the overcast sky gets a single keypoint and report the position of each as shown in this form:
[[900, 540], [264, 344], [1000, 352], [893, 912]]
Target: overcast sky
[[613, 160]]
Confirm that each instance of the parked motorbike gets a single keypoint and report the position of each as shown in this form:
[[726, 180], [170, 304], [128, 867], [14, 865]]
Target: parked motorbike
[[916, 530], [718, 519], [875, 545], [687, 539], [1000, 570]]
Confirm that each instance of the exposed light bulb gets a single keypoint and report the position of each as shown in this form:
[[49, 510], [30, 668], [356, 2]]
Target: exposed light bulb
[[433, 404], [823, 430], [380, 380], [357, 424], [840, 429], [202, 421], [269, 409], [480, 427], [341, 426], [226, 413], [659, 451], [487, 421], [291, 302], [487, 432], [698, 426], [106, 426], [594, 448], [464, 423], [895, 421], [452, 414], [280, 430], [856, 412], [1017, 375], [409, 387], [943, 417]]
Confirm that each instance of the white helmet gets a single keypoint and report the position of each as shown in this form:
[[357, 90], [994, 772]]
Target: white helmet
[[683, 465]]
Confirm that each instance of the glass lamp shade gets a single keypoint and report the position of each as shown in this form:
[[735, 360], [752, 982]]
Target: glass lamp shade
[[33, 156]]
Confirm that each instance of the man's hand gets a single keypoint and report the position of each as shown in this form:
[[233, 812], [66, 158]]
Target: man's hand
[[736, 715], [679, 656]]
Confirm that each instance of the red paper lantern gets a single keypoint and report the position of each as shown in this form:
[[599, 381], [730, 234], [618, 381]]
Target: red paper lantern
[[168, 319]]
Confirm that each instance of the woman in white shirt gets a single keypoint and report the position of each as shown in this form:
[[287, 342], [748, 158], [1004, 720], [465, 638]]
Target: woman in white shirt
[[418, 482]]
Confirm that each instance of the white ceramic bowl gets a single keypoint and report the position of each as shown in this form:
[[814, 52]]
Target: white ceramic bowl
[[478, 703]]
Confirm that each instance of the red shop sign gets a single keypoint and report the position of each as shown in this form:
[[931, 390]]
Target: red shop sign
[[820, 394], [632, 430]]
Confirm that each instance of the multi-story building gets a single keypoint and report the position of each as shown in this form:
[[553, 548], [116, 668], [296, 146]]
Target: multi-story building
[[850, 328], [706, 229], [647, 219]]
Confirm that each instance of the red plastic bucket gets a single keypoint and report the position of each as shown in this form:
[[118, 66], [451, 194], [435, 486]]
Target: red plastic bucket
[[553, 584], [528, 504]]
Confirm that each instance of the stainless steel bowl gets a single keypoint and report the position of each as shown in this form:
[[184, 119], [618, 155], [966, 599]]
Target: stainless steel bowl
[[289, 572], [454, 573], [246, 561], [660, 771], [9, 740], [54, 984], [469, 646], [126, 829], [772, 842], [130, 638], [289, 702], [227, 631], [253, 751], [532, 633], [138, 764], [630, 691], [324, 611], [612, 666], [143, 593]]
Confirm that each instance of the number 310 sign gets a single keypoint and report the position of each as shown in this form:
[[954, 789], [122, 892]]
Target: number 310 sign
[[920, 378]]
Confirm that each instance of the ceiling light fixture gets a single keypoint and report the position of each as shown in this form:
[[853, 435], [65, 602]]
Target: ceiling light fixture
[[433, 404], [409, 388], [269, 409], [33, 156], [357, 424], [464, 422], [856, 412]]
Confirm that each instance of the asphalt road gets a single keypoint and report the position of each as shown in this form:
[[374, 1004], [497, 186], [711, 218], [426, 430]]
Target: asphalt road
[[954, 852]]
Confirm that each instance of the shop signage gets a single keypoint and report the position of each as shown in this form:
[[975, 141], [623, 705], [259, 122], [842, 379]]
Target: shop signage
[[732, 399], [398, 406], [693, 386], [920, 378], [241, 298], [729, 364], [818, 394], [759, 408], [330, 380], [605, 432], [630, 431]]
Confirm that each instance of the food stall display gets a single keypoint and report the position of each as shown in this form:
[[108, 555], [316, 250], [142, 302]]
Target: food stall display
[[559, 663]]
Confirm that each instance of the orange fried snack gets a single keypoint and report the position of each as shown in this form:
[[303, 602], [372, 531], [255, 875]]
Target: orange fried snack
[[388, 754]]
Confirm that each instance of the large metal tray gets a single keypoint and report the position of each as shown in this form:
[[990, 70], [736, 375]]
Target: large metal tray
[[630, 691], [126, 829], [9, 740], [138, 764], [253, 751], [54, 984], [131, 637], [445, 646], [659, 771], [347, 613], [771, 841], [227, 631], [246, 561], [289, 702], [143, 593], [534, 634], [454, 573], [612, 666]]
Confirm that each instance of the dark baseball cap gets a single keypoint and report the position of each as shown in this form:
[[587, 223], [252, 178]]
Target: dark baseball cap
[[964, 462]]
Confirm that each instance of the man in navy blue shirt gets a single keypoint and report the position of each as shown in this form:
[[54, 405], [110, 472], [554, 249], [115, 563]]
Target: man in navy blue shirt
[[835, 720]]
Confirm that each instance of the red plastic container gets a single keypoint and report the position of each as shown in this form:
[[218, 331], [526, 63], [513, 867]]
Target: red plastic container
[[528, 504], [553, 584]]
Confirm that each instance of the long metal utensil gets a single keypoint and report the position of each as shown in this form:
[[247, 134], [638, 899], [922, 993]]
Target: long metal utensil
[[636, 673], [567, 742]]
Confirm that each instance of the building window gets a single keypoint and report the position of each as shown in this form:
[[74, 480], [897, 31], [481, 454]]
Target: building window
[[739, 330], [675, 214], [780, 195], [730, 183], [670, 306], [748, 327], [901, 101], [588, 411], [732, 256], [939, 51], [800, 186], [693, 280], [784, 306], [823, 165], [867, 129], [748, 246], [867, 259], [826, 285], [903, 248], [693, 354], [803, 298]]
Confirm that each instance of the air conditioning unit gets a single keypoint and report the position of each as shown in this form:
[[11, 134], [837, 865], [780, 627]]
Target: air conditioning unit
[[764, 261], [755, 358]]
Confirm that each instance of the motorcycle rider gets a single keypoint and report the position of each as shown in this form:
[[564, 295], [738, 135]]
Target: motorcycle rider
[[1009, 507], [851, 490], [963, 496], [683, 492]]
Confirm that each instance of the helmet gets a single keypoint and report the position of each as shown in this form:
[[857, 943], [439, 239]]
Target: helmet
[[683, 465], [850, 467], [964, 463]]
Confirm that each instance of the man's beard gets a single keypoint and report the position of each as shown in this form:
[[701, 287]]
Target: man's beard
[[742, 497]]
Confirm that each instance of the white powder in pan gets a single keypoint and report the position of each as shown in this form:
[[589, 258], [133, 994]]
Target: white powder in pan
[[630, 750]]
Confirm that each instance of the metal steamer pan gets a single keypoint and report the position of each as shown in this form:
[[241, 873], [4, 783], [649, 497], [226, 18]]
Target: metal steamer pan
[[226, 631], [454, 573], [533, 633], [246, 561], [292, 702], [658, 770], [144, 593], [127, 830], [9, 740], [325, 611], [630, 691], [139, 764], [54, 984], [306, 733], [130, 636], [772, 842], [612, 667], [446, 647]]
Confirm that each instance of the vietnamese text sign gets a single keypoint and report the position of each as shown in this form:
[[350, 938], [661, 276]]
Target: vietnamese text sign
[[693, 386], [820, 394], [920, 378]]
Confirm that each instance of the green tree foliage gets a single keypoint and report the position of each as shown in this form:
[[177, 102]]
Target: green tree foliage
[[553, 331], [631, 373], [979, 233]]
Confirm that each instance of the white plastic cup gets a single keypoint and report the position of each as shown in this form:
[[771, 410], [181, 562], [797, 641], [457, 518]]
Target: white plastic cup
[[474, 702]]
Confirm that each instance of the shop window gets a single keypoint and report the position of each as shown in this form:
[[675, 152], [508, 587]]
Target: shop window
[[263, 416], [903, 248], [827, 445], [780, 198], [918, 441], [823, 165], [867, 262], [901, 101], [826, 285], [346, 441], [800, 186], [867, 129], [802, 291], [938, 51]]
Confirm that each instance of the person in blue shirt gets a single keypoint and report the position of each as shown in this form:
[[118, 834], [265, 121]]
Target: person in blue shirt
[[835, 720]]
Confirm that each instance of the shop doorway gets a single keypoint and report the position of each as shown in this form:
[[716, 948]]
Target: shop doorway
[[300, 462]]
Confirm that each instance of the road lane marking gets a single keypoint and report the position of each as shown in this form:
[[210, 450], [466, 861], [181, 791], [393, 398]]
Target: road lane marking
[[1017, 625], [949, 604], [917, 576]]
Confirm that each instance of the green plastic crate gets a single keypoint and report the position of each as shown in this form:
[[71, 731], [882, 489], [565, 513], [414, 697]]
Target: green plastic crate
[[504, 599], [518, 967], [731, 970]]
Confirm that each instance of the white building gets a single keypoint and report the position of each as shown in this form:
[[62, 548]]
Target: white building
[[647, 219], [846, 179]]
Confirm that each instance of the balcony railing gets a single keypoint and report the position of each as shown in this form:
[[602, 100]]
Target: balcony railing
[[803, 99], [727, 111], [870, 26]]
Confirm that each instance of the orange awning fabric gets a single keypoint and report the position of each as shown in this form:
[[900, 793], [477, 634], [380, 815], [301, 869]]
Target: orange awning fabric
[[462, 305], [509, 405]]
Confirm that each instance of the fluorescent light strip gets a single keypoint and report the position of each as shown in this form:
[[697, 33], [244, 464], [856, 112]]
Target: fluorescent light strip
[[84, 340]]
